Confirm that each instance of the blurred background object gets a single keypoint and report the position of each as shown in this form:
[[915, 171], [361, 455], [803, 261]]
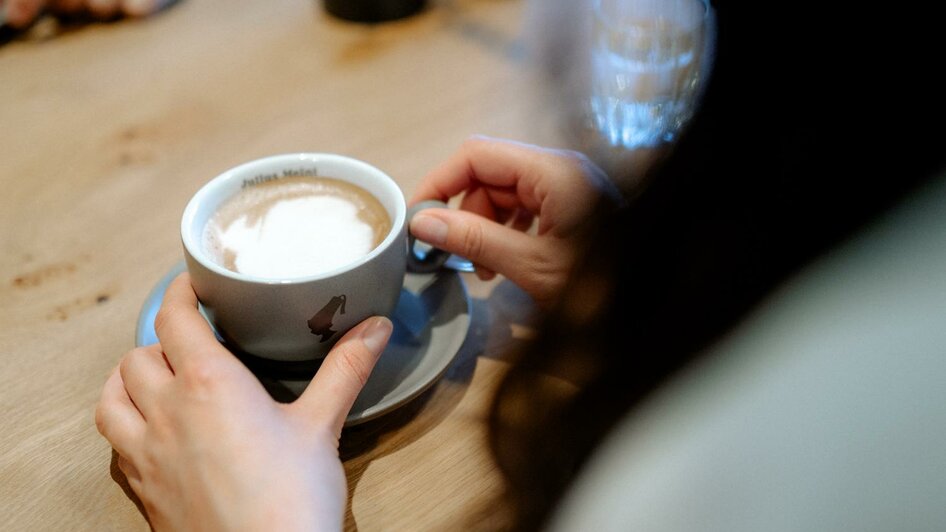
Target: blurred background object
[[622, 77], [373, 10], [647, 63]]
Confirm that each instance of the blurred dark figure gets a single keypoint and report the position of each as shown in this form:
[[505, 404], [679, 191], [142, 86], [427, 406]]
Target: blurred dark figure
[[816, 120]]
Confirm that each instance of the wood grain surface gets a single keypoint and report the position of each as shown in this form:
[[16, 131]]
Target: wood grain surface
[[105, 132]]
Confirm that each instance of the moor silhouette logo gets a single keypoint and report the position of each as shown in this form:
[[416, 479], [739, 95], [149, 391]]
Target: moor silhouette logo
[[321, 323]]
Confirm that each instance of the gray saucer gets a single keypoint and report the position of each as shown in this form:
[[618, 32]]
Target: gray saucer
[[430, 323]]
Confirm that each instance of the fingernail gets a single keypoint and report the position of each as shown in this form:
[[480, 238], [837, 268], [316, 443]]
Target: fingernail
[[429, 228], [376, 334]]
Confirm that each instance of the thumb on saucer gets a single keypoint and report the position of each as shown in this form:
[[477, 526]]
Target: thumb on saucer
[[344, 372]]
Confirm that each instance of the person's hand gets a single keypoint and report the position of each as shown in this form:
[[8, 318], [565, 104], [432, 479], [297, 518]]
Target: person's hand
[[19, 14], [506, 185], [205, 447]]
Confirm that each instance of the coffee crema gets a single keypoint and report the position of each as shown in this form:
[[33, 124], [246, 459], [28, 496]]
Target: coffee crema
[[295, 227]]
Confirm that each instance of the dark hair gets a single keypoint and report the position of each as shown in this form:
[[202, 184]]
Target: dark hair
[[781, 162]]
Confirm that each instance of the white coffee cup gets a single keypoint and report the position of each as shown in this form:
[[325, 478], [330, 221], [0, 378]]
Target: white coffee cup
[[300, 318]]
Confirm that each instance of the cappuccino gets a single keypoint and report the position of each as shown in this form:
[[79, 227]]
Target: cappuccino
[[295, 227]]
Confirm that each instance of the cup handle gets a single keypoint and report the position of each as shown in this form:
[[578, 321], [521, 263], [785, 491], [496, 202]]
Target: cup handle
[[435, 258]]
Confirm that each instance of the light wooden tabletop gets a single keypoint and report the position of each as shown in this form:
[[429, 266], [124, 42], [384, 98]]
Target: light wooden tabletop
[[106, 130]]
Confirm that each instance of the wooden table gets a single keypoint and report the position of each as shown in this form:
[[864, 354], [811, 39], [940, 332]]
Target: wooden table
[[106, 130]]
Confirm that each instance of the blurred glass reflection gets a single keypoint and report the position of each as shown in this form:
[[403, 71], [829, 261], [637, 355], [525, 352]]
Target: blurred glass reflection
[[622, 77], [647, 66]]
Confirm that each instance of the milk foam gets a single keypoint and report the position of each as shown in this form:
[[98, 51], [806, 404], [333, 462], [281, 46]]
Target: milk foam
[[294, 230]]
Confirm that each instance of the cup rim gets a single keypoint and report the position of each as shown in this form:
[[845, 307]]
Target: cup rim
[[195, 250]]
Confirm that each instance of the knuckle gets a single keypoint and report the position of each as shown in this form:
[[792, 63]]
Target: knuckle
[[474, 142], [545, 276], [573, 156], [101, 420], [200, 378], [130, 359], [579, 161], [471, 241], [580, 168], [166, 314]]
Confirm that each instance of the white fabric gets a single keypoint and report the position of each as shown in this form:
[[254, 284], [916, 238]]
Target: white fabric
[[825, 410]]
